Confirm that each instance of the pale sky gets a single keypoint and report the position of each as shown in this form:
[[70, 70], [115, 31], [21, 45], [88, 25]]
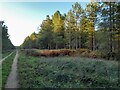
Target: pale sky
[[23, 18]]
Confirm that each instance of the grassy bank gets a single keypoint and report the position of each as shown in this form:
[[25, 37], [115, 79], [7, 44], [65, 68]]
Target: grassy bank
[[6, 53], [6, 68], [66, 72]]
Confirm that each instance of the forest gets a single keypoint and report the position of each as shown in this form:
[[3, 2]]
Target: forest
[[95, 28], [6, 42], [77, 49]]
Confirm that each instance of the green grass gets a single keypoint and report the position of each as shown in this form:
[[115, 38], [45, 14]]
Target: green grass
[[66, 72], [6, 53], [6, 68]]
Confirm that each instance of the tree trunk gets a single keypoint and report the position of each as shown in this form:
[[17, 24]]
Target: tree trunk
[[110, 31], [93, 41], [69, 40], [80, 38], [56, 46], [69, 43], [113, 26], [76, 46]]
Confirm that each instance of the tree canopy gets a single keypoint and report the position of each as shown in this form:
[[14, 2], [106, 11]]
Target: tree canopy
[[96, 28], [6, 42]]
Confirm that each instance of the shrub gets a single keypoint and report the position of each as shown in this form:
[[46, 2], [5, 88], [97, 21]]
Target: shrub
[[44, 53], [51, 53], [67, 52], [32, 53], [73, 53], [84, 54], [55, 52], [48, 53], [111, 55], [80, 51], [99, 54], [93, 54]]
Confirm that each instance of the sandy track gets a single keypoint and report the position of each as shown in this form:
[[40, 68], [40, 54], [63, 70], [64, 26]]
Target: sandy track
[[12, 81]]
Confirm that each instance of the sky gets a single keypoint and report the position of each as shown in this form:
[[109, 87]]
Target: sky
[[24, 18]]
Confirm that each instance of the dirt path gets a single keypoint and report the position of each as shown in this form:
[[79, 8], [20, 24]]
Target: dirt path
[[12, 81]]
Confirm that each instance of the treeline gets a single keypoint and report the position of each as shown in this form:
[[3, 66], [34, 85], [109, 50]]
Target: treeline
[[6, 42], [97, 27]]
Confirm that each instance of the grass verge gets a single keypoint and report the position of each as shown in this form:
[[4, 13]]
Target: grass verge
[[6, 53], [6, 68], [66, 72]]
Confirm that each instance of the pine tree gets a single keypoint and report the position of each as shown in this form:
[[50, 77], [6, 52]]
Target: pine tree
[[92, 10], [6, 42], [70, 29], [58, 29], [83, 31], [46, 33], [77, 11]]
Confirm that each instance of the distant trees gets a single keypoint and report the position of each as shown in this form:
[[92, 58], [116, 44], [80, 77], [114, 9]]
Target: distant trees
[[30, 41], [96, 28], [6, 43]]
